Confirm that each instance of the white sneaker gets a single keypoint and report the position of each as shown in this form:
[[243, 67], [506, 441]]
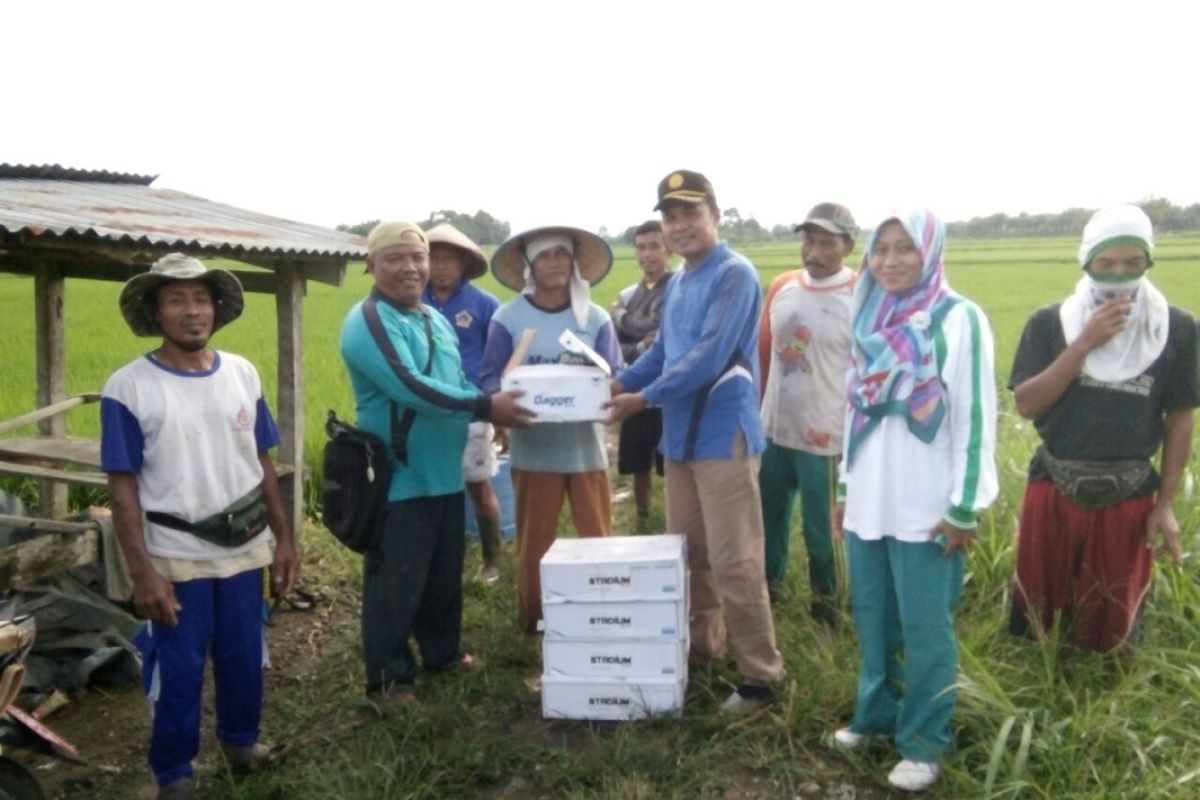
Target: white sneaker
[[845, 737], [738, 706], [914, 776]]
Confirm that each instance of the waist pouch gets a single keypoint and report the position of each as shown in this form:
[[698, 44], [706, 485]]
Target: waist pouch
[[1097, 484], [233, 527]]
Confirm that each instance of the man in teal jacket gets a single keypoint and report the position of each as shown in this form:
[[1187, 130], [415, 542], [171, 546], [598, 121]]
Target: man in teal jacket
[[410, 390]]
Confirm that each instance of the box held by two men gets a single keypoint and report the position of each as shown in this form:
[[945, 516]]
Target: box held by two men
[[560, 392], [615, 569], [624, 658], [611, 698]]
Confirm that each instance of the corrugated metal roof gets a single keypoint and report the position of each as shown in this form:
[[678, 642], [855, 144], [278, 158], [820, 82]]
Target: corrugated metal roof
[[133, 211], [59, 172]]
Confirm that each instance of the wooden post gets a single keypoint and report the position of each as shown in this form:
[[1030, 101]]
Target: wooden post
[[49, 289], [289, 305]]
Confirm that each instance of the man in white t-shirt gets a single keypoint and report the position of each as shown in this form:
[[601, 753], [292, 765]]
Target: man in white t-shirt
[[804, 352], [198, 513]]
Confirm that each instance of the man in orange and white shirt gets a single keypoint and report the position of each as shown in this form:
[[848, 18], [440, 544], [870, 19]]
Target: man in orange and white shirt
[[804, 352]]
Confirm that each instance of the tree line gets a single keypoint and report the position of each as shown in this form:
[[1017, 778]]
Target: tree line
[[481, 227], [485, 229]]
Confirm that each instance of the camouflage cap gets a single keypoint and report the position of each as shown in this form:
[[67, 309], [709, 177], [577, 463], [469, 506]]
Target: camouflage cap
[[830, 217]]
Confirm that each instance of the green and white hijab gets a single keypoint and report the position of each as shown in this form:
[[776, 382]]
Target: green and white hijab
[[1135, 348]]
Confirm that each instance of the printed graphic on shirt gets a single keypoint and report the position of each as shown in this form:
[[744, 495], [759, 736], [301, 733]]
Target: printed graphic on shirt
[[244, 420], [1141, 385], [793, 351], [464, 319]]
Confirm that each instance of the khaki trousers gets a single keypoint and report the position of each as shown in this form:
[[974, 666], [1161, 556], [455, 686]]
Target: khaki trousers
[[715, 504], [539, 499]]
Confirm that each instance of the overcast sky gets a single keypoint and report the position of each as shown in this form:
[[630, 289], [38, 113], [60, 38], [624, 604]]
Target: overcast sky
[[570, 112]]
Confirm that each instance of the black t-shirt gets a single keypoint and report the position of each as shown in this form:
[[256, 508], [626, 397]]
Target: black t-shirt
[[1096, 421]]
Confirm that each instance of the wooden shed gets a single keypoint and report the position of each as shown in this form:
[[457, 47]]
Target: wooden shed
[[58, 223]]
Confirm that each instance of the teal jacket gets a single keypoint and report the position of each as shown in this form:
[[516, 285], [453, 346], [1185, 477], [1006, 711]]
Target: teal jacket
[[425, 415]]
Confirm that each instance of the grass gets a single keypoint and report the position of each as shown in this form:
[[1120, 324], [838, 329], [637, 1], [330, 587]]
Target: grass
[[1033, 721]]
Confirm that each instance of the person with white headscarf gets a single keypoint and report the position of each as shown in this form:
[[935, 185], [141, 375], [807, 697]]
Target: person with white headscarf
[[554, 269], [1109, 377]]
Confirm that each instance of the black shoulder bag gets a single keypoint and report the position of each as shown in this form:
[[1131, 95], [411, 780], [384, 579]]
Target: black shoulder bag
[[356, 468]]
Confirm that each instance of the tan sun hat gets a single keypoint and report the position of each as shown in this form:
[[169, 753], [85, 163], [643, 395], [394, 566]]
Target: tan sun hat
[[140, 291], [447, 234], [592, 253]]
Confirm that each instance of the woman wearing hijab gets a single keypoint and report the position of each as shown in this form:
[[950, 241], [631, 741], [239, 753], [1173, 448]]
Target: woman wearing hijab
[[1109, 378], [917, 469], [554, 269]]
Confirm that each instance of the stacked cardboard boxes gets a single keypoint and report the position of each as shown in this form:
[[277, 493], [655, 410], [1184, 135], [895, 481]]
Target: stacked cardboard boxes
[[615, 627]]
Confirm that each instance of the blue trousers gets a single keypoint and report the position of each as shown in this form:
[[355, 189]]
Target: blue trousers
[[412, 586], [221, 618], [903, 596]]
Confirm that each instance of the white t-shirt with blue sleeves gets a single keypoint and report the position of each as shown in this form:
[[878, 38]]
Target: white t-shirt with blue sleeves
[[193, 440]]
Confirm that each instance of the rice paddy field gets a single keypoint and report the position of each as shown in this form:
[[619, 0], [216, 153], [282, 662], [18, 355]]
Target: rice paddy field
[[1034, 720]]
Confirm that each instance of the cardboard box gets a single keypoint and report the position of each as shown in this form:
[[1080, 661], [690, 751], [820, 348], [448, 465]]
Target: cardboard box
[[569, 697], [560, 392], [615, 568], [639, 619], [625, 658]]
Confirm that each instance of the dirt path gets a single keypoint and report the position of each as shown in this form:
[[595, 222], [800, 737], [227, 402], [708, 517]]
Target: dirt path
[[110, 729]]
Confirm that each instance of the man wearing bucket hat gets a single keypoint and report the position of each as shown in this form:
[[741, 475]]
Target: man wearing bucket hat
[[455, 261], [803, 350], [1109, 378], [410, 390], [554, 269], [198, 512], [702, 371]]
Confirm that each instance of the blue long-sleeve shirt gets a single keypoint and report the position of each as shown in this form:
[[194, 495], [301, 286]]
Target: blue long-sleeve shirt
[[702, 369], [444, 401]]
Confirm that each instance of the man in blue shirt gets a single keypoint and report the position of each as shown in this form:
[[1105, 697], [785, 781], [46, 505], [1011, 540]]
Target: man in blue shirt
[[455, 261], [702, 371]]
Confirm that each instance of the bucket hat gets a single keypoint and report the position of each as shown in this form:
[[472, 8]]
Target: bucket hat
[[139, 292]]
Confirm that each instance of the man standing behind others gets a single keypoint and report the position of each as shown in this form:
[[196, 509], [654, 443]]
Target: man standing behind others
[[554, 269], [636, 314], [1109, 377], [186, 439], [455, 261], [804, 353], [410, 390], [702, 371]]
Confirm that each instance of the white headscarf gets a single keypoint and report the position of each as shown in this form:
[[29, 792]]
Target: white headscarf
[[1134, 349], [581, 290]]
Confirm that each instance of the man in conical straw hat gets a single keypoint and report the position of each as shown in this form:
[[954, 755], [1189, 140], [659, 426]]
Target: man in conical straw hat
[[186, 436], [455, 261], [1109, 378], [554, 269]]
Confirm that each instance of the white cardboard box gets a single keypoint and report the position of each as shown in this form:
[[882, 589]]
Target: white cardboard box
[[615, 568], [637, 619], [626, 658], [569, 697], [560, 392]]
